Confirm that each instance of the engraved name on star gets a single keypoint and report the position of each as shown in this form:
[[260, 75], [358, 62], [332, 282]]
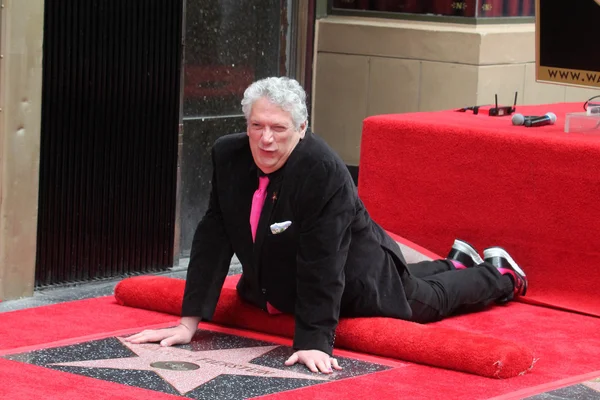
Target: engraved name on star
[[186, 370]]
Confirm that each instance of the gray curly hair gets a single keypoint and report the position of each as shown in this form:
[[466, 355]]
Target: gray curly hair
[[284, 92]]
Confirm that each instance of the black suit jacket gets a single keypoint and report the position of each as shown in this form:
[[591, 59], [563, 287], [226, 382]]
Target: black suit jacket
[[332, 260]]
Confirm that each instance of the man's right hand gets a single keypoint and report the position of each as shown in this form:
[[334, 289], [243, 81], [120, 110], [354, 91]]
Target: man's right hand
[[180, 334]]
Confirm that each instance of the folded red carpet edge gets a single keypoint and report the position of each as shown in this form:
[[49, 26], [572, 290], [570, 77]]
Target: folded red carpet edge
[[403, 340]]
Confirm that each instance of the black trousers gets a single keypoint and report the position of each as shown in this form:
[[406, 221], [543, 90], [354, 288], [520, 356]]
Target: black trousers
[[435, 289]]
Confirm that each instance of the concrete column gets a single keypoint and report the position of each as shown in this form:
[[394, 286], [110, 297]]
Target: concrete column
[[21, 39]]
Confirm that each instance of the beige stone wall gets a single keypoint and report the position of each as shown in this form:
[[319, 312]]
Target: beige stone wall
[[21, 36], [368, 66]]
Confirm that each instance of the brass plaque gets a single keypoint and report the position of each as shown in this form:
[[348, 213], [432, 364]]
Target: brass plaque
[[175, 365]]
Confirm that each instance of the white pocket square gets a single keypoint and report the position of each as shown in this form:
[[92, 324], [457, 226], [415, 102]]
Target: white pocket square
[[279, 227]]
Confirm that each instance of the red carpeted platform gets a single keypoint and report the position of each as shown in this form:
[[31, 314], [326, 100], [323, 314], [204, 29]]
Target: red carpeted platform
[[432, 177], [454, 175], [566, 347]]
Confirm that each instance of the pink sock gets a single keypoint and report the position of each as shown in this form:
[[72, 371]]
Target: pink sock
[[457, 264]]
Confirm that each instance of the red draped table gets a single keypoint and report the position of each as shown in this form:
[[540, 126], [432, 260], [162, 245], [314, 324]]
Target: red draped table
[[431, 177]]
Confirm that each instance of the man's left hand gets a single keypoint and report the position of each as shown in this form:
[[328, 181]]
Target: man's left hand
[[315, 360]]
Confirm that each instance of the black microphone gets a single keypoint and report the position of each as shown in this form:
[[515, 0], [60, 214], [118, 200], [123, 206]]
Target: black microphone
[[533, 121]]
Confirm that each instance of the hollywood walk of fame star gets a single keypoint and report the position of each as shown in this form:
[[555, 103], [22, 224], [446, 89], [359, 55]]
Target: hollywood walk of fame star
[[186, 370]]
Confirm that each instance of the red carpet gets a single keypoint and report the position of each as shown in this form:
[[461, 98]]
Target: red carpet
[[564, 344], [433, 177], [423, 344], [63, 321]]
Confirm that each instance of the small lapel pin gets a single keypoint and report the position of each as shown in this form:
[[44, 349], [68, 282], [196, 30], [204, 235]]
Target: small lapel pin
[[274, 197]]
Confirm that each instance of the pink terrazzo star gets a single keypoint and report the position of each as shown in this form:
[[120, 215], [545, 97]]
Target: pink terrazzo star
[[208, 364], [593, 384]]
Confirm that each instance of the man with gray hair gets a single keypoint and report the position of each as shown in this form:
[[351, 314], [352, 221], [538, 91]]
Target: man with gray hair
[[286, 205]]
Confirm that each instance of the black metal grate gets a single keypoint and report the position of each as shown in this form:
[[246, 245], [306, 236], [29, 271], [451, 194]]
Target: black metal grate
[[110, 115]]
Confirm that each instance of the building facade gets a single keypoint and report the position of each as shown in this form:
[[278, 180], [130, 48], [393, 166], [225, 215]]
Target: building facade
[[353, 62]]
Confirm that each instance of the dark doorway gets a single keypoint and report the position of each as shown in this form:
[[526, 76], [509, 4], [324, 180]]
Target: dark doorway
[[110, 116]]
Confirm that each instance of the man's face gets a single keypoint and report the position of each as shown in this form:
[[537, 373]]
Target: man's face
[[272, 135]]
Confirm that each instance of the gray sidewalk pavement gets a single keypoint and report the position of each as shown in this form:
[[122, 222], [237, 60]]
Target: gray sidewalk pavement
[[86, 290]]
